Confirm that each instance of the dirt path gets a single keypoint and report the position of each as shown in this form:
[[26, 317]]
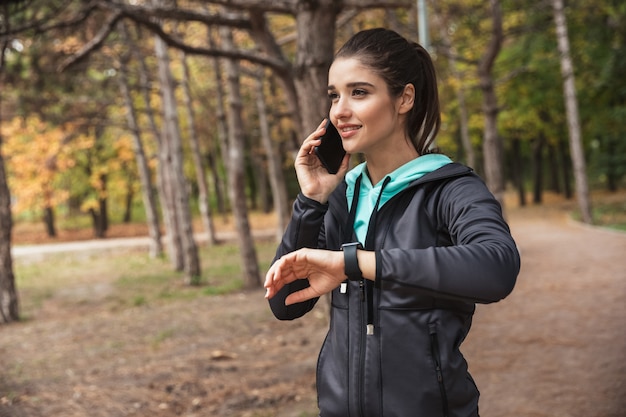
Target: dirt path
[[554, 348]]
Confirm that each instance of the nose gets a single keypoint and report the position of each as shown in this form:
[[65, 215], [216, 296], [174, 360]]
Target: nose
[[339, 110]]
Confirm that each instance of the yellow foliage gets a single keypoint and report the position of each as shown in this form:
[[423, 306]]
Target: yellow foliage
[[36, 155], [68, 45]]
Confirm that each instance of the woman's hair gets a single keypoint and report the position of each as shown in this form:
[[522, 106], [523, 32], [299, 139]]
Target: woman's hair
[[400, 62]]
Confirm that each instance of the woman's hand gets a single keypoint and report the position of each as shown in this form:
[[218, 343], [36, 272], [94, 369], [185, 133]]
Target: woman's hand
[[323, 268], [315, 181]]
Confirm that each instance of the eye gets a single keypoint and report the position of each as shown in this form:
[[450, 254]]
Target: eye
[[358, 92], [332, 96]]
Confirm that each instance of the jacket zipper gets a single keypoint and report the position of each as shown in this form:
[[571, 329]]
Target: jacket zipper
[[434, 345], [362, 336]]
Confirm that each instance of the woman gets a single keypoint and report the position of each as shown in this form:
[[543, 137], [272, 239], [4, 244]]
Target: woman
[[407, 243]]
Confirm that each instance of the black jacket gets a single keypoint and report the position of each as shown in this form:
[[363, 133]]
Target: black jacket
[[441, 246]]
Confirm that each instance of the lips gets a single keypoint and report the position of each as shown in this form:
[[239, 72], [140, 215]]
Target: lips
[[348, 128]]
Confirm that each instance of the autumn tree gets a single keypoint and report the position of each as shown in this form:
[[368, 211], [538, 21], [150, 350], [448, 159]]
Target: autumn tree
[[37, 157]]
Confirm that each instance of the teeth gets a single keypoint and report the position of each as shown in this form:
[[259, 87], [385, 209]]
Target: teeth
[[348, 129]]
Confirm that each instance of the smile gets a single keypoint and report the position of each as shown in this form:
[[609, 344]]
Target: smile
[[350, 128]]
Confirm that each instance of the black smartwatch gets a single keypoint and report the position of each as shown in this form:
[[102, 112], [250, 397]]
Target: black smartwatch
[[351, 262]]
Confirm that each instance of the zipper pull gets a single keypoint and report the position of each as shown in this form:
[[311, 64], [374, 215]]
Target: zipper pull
[[370, 329]]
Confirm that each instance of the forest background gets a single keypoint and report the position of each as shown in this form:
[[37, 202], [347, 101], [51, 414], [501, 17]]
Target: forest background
[[165, 112]]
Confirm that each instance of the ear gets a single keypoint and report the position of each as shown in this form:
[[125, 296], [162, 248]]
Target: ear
[[406, 99]]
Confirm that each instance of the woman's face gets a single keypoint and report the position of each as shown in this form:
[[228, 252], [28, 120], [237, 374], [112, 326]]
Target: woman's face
[[367, 117]]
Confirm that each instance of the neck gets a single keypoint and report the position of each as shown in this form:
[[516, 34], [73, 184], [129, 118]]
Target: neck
[[381, 164]]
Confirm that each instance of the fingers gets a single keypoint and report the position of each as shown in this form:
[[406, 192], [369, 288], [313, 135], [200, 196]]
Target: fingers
[[273, 282], [314, 138], [345, 165], [279, 274], [300, 296], [288, 268], [315, 265]]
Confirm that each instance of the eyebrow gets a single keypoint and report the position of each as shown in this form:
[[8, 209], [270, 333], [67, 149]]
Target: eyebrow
[[354, 84]]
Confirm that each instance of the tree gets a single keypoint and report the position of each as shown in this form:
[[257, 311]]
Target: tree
[[442, 24], [196, 155], [492, 144], [9, 305], [277, 179], [573, 121], [234, 158], [156, 246], [172, 162]]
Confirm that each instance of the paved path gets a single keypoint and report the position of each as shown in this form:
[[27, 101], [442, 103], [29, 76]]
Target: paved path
[[39, 252]]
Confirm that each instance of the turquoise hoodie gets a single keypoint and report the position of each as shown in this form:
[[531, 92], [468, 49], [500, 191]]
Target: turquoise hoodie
[[398, 181]]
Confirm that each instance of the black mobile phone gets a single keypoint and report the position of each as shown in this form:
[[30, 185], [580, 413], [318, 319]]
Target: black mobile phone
[[330, 152]]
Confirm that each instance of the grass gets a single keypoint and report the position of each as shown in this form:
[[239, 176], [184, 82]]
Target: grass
[[129, 279], [609, 213]]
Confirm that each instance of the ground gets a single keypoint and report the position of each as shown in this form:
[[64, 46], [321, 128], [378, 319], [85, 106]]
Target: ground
[[554, 347]]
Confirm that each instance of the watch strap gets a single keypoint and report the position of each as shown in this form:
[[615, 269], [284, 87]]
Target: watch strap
[[351, 263]]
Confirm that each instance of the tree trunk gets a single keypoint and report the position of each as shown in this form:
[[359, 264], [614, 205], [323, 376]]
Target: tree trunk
[[165, 194], [196, 155], [571, 106], [96, 224], [103, 206], [235, 164], [537, 168], [612, 166], [470, 155], [285, 78], [218, 186], [48, 220], [147, 192], [128, 203], [257, 179], [222, 128], [566, 168], [9, 307], [167, 197], [518, 171], [315, 25], [492, 144], [178, 184], [553, 166], [99, 219], [276, 177]]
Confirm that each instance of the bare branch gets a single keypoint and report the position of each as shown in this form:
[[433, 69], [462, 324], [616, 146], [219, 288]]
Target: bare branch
[[176, 13], [275, 6], [51, 20], [174, 42], [372, 4], [93, 44], [495, 42]]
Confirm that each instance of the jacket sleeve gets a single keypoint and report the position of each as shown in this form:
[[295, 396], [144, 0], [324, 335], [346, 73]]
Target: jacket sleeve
[[305, 230], [480, 266]]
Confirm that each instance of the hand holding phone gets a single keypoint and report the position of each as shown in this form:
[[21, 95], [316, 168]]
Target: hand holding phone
[[330, 152]]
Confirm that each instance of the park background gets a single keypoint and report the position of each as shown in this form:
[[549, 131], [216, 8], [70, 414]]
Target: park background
[[179, 122]]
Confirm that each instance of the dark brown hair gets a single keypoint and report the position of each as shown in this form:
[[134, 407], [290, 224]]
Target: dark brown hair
[[399, 62]]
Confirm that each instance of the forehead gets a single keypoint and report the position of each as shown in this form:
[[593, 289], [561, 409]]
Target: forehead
[[348, 71]]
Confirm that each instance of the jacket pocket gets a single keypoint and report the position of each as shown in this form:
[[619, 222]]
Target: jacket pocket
[[436, 354]]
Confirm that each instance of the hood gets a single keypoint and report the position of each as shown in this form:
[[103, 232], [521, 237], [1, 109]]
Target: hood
[[373, 197]]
